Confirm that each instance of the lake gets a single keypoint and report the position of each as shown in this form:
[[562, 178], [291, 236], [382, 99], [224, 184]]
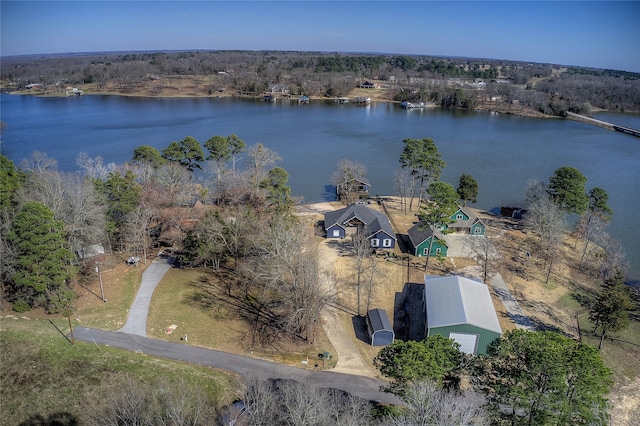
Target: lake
[[500, 151]]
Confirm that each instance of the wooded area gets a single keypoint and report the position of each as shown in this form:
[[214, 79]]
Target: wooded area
[[450, 82]]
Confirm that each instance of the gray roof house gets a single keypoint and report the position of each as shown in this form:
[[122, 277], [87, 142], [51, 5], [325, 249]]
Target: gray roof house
[[343, 222], [461, 309], [421, 240], [466, 222]]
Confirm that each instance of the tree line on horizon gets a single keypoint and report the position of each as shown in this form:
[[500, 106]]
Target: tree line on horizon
[[540, 87]]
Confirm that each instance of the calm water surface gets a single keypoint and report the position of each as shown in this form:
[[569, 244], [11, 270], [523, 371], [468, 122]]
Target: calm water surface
[[500, 151]]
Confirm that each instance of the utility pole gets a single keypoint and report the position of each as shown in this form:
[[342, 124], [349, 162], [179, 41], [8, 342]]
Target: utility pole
[[101, 287]]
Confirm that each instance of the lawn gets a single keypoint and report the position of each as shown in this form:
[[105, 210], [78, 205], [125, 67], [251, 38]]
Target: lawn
[[120, 285], [186, 304]]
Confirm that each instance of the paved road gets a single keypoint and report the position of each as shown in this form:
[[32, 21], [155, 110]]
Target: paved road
[[364, 387], [137, 319]]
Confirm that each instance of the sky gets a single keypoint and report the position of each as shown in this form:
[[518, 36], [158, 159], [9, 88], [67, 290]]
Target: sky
[[600, 34]]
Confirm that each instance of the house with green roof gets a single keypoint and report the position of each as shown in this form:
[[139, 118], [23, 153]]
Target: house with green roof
[[461, 309]]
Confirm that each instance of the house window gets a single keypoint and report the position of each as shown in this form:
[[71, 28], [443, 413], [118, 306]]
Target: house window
[[336, 232], [478, 230], [459, 217], [386, 242], [438, 250], [375, 242], [424, 251]]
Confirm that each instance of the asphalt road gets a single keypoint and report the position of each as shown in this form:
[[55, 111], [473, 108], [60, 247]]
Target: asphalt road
[[363, 387]]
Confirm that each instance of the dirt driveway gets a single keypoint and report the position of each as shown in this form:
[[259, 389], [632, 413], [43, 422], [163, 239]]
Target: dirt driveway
[[349, 357]]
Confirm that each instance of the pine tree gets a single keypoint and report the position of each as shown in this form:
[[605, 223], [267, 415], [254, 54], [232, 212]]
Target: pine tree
[[42, 263], [611, 309]]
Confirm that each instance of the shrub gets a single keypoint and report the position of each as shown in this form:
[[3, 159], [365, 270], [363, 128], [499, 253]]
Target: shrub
[[21, 306]]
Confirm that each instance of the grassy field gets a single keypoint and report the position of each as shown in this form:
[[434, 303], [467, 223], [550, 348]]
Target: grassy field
[[120, 284], [42, 374], [187, 300]]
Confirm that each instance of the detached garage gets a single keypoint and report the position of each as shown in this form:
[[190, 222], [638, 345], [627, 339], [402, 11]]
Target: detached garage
[[379, 328], [461, 309]]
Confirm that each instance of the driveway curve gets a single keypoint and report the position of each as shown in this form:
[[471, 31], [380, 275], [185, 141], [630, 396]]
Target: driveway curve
[[349, 358], [363, 387]]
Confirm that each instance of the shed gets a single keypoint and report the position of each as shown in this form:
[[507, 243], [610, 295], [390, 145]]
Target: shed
[[379, 328], [461, 309]]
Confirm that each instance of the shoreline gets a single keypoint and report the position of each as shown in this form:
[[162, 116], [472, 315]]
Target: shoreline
[[187, 88], [506, 109]]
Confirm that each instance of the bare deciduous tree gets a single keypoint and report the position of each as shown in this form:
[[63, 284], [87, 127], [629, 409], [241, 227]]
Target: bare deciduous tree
[[591, 227], [94, 168], [613, 257], [136, 227], [73, 199], [361, 250], [544, 217], [345, 178], [427, 404], [39, 162], [405, 184], [128, 402], [258, 161], [287, 402], [484, 252], [287, 265], [176, 179]]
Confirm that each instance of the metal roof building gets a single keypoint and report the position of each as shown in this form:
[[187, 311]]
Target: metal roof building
[[461, 309]]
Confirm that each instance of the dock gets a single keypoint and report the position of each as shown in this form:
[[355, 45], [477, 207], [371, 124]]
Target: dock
[[360, 100], [412, 105]]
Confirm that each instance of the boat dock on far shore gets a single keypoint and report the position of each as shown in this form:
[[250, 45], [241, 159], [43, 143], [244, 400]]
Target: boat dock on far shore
[[417, 105]]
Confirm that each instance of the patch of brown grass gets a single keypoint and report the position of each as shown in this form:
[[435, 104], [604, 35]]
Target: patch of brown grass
[[120, 282], [194, 301]]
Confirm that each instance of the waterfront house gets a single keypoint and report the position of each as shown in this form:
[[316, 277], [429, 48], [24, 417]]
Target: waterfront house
[[420, 240], [375, 225], [466, 222], [354, 188], [461, 309]]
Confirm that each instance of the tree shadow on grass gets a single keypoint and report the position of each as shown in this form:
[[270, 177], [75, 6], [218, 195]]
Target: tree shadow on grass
[[54, 419]]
